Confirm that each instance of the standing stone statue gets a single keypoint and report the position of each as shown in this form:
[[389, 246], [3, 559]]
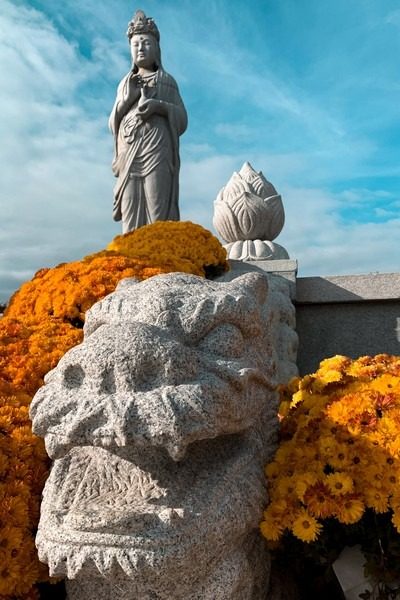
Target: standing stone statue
[[147, 119]]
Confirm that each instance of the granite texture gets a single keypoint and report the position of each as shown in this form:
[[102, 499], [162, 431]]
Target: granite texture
[[249, 214], [160, 424], [281, 314], [286, 269]]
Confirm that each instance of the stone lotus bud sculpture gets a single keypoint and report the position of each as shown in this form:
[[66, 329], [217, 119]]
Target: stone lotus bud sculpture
[[159, 425], [249, 214]]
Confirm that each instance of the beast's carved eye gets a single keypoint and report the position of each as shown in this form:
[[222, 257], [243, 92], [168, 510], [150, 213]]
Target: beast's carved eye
[[224, 340], [74, 376]]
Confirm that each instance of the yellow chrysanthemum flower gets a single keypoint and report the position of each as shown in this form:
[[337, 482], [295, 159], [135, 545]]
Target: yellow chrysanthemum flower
[[388, 430], [396, 520], [386, 383], [340, 441], [272, 471], [339, 483], [340, 459], [283, 455], [14, 510], [304, 451], [271, 529], [350, 510], [330, 376], [305, 527], [316, 404], [338, 412], [3, 463], [284, 408], [319, 502], [278, 517], [297, 398], [393, 447], [11, 537], [285, 487], [376, 499], [328, 446], [9, 575], [336, 363], [373, 477], [178, 245], [394, 501], [303, 481]]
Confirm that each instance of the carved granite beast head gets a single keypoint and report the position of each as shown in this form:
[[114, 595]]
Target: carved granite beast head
[[159, 424]]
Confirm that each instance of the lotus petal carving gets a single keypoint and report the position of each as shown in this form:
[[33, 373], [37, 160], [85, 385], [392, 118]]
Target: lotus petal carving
[[248, 208], [255, 250]]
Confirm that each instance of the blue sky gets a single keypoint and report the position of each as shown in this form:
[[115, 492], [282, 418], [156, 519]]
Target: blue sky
[[308, 91]]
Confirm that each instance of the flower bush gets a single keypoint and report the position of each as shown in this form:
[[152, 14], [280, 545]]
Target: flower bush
[[176, 245], [23, 469], [29, 351], [67, 291], [44, 319], [338, 462]]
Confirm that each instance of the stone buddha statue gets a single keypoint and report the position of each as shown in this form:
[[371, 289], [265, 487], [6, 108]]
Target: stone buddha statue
[[147, 119]]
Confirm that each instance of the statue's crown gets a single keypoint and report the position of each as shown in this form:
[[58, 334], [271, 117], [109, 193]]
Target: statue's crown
[[142, 24]]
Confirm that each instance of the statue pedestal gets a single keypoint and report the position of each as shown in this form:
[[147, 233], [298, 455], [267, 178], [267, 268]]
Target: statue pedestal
[[286, 268]]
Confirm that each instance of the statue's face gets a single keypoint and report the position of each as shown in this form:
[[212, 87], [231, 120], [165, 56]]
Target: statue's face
[[144, 50]]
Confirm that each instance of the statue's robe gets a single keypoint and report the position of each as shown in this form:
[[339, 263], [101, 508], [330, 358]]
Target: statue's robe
[[145, 149]]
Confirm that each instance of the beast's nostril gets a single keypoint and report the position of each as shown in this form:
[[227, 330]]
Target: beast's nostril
[[107, 385], [74, 376], [147, 375]]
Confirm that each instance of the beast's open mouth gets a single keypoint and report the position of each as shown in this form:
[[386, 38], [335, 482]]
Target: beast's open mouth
[[119, 495]]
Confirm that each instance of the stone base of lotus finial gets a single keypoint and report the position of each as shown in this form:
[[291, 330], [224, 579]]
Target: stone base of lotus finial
[[255, 250]]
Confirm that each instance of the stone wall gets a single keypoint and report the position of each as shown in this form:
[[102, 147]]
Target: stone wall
[[351, 315]]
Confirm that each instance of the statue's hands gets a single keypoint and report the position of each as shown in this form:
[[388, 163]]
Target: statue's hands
[[133, 89], [147, 107]]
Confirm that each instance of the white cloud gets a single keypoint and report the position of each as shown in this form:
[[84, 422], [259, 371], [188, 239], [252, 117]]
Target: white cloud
[[193, 150], [56, 182], [236, 131], [325, 244], [200, 182], [393, 17]]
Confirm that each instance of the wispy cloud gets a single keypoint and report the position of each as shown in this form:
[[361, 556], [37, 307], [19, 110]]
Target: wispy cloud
[[56, 193], [329, 244], [393, 17]]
